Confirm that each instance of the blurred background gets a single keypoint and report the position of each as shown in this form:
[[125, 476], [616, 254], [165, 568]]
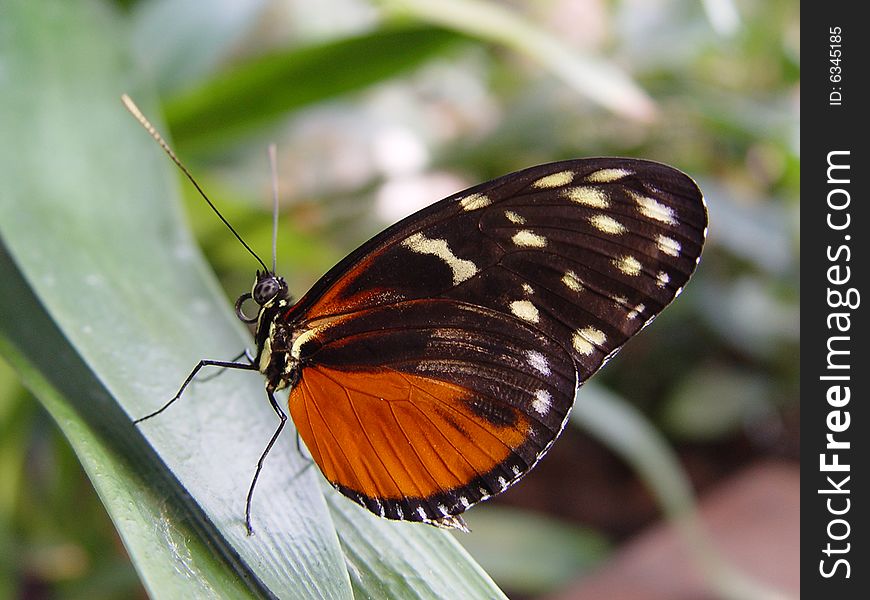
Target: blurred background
[[380, 108]]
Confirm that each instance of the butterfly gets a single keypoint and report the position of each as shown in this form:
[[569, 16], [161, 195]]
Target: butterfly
[[436, 364]]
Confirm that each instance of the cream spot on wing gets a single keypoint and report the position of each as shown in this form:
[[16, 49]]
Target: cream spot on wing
[[442, 509], [628, 265], [538, 362], [607, 175], [529, 239], [525, 310], [555, 180], [422, 512], [668, 245], [588, 196], [653, 209], [515, 470], [462, 269], [464, 501], [571, 280], [586, 339], [475, 201], [596, 336], [582, 346], [662, 279], [528, 289], [607, 224], [634, 312], [542, 402], [514, 217]]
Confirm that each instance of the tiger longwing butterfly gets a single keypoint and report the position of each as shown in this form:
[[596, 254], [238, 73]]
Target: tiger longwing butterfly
[[435, 365]]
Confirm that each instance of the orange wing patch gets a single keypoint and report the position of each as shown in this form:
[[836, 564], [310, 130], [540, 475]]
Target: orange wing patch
[[392, 435], [338, 299]]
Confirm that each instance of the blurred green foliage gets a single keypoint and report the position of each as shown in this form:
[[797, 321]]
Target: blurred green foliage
[[721, 363]]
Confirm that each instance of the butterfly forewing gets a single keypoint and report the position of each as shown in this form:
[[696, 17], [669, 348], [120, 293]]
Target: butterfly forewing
[[439, 361]]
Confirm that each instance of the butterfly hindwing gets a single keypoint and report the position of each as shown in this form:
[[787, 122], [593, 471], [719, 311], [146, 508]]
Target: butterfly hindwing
[[439, 361], [448, 408]]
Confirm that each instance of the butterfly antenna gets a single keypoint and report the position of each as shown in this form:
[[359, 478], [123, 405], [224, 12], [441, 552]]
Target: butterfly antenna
[[134, 110], [273, 162]]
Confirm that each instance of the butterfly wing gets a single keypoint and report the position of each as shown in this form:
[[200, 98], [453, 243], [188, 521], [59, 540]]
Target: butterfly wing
[[440, 360], [420, 409]]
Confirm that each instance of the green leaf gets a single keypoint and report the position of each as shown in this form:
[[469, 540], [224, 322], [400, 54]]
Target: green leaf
[[106, 306], [254, 93], [158, 534], [404, 560]]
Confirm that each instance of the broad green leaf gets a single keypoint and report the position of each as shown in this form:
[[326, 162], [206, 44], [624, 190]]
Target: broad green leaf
[[106, 306], [90, 217], [404, 560], [158, 529], [252, 94]]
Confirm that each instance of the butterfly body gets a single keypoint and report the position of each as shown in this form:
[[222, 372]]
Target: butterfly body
[[435, 365]]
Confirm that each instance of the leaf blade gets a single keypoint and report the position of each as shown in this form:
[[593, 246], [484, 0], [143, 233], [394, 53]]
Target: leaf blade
[[92, 223], [112, 275]]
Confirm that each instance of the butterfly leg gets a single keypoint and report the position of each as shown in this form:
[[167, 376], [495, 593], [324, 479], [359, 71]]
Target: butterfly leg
[[283, 416], [244, 353], [203, 363]]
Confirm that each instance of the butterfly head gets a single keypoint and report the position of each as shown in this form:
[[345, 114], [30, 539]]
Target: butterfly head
[[268, 290]]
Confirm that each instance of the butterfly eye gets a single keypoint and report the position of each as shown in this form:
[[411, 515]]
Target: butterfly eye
[[267, 289]]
